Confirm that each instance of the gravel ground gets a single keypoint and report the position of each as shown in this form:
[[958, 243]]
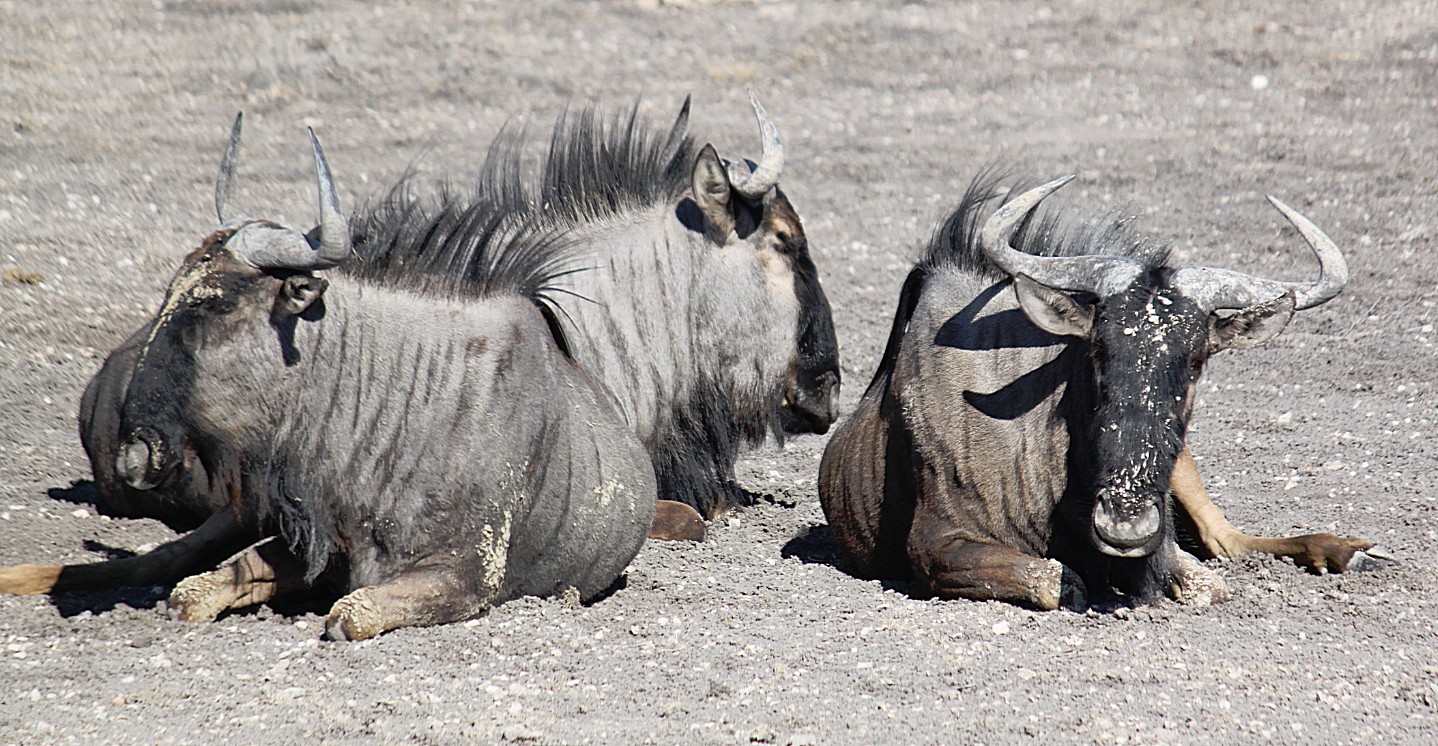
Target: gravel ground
[[114, 116]]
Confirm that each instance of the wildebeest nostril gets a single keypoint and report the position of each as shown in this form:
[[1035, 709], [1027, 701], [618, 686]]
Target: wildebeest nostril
[[141, 459]]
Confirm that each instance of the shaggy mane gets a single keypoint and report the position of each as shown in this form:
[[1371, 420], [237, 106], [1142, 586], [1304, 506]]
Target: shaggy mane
[[597, 166], [451, 243], [509, 234], [1055, 233]]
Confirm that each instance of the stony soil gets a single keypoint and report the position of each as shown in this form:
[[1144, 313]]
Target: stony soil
[[114, 116]]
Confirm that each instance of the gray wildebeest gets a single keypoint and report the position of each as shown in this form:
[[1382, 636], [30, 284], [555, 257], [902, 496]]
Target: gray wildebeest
[[430, 446], [702, 311], [708, 322], [1019, 438]]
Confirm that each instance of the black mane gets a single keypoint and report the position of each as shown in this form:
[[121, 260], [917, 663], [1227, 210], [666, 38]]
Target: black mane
[[597, 166], [456, 244], [509, 234], [1056, 233]]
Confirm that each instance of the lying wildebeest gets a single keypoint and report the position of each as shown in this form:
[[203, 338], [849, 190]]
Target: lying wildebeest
[[708, 323], [707, 320], [1019, 438], [431, 445]]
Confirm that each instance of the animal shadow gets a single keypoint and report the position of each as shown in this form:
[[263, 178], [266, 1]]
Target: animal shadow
[[73, 604], [748, 498], [814, 546], [80, 492], [110, 552]]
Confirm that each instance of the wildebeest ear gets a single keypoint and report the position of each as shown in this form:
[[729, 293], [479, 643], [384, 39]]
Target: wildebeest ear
[[1054, 311], [711, 188], [298, 293], [1250, 327]]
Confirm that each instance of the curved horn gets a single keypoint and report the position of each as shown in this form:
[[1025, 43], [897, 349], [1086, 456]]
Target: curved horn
[[1332, 268], [771, 163], [334, 229], [1100, 275], [225, 184], [264, 245], [1220, 288]]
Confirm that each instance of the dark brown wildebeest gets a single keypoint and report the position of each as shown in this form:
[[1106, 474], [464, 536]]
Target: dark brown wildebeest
[[431, 447], [1019, 438]]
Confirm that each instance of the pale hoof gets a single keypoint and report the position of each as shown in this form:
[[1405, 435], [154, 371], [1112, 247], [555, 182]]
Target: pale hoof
[[201, 598], [1058, 587], [1196, 585], [353, 618], [1371, 560]]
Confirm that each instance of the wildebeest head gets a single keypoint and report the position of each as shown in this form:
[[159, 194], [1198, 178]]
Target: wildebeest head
[[249, 277], [742, 210], [1149, 331]]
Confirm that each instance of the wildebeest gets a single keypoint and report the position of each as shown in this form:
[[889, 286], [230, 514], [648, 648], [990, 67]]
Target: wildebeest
[[709, 322], [702, 310], [1019, 438], [432, 446]]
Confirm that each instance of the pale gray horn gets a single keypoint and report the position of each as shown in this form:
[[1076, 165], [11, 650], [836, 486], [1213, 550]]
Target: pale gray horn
[[1100, 275], [1332, 268], [264, 245], [334, 229], [1220, 288], [225, 184], [771, 162]]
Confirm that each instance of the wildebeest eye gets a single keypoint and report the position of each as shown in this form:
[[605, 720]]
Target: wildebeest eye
[[217, 305], [1098, 351]]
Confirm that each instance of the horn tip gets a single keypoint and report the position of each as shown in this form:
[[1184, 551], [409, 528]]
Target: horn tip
[[754, 101]]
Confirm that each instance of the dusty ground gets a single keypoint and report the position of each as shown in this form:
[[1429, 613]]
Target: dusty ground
[[114, 116]]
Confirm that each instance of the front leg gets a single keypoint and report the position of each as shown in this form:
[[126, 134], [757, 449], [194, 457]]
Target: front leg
[[1318, 553], [956, 568], [262, 572], [420, 597]]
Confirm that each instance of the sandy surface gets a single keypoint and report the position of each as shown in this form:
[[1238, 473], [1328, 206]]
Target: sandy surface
[[112, 119]]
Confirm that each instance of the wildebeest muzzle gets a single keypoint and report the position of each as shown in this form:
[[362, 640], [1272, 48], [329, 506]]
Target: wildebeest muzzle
[[146, 458], [1133, 531]]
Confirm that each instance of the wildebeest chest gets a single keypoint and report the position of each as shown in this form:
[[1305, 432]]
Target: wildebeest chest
[[980, 391]]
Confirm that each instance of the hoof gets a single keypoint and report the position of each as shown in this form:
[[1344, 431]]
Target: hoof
[[1196, 585], [353, 618], [675, 521], [1371, 560], [1073, 594], [1055, 586], [199, 598], [1325, 553]]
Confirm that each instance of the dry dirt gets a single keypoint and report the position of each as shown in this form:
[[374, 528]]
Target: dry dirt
[[114, 116]]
